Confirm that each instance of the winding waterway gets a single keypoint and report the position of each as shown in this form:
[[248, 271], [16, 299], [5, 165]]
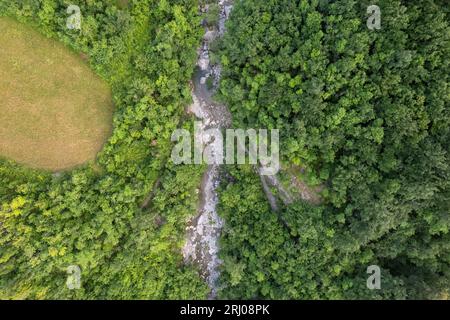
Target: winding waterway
[[203, 232]]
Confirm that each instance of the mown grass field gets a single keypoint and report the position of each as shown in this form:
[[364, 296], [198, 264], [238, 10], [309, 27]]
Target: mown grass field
[[55, 112]]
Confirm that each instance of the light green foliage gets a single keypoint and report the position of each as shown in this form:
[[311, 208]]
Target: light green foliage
[[91, 217]]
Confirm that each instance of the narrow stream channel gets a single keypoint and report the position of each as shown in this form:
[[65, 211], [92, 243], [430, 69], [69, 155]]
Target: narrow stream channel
[[203, 232]]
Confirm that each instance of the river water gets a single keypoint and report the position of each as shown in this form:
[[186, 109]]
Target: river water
[[203, 231]]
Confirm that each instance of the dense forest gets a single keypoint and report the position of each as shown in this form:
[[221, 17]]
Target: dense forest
[[365, 113], [363, 118], [92, 216]]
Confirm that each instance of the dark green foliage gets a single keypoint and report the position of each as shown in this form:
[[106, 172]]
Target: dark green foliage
[[297, 258], [367, 114]]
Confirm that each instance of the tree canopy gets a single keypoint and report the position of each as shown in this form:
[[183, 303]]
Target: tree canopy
[[366, 114]]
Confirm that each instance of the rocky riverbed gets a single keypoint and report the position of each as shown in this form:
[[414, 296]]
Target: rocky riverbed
[[203, 231]]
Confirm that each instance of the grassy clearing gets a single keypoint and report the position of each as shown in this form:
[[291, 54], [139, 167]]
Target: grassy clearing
[[55, 113]]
